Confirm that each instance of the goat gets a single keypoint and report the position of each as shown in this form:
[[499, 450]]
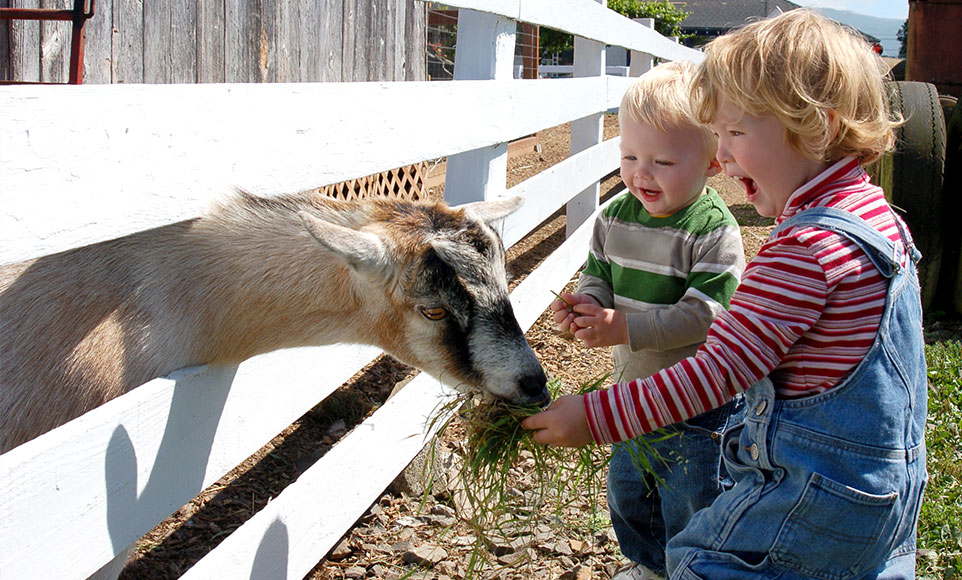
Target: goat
[[422, 281]]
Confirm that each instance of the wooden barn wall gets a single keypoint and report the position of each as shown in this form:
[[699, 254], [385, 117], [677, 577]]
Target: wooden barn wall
[[233, 41]]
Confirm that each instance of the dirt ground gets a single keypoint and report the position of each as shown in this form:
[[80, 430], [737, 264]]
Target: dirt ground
[[404, 534]]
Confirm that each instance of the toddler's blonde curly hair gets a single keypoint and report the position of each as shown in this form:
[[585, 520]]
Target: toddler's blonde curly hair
[[821, 80], [660, 99]]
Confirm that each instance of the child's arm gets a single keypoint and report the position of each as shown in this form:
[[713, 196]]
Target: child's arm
[[744, 345]]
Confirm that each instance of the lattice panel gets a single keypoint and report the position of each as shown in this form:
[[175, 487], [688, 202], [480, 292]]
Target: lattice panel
[[406, 182]]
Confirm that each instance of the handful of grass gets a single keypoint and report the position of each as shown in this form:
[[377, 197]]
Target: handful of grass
[[571, 307], [499, 456]]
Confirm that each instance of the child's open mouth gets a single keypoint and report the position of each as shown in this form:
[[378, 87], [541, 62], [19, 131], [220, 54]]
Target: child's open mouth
[[650, 194], [751, 188]]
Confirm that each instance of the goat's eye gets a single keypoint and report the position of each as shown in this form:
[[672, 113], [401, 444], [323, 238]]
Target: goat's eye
[[433, 313]]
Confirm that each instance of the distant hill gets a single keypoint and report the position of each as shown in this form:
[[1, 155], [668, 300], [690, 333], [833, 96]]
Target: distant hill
[[884, 29]]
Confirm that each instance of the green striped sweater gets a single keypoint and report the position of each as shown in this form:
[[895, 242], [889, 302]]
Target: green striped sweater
[[671, 276]]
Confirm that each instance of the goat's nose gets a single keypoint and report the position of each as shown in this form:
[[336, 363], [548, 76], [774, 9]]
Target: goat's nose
[[534, 389]]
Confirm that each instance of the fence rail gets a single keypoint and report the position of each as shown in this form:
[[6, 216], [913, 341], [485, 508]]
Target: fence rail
[[85, 164], [234, 41]]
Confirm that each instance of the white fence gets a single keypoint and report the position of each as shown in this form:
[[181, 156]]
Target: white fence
[[84, 164]]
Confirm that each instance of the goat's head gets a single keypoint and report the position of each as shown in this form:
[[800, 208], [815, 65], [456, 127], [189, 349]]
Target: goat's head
[[438, 274]]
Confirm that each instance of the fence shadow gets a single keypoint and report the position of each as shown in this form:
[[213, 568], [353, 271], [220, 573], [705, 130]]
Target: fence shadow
[[181, 461]]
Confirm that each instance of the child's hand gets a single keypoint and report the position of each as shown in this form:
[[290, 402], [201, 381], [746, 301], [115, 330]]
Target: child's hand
[[564, 423], [598, 326], [564, 316]]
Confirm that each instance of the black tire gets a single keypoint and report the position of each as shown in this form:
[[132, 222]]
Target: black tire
[[912, 174], [950, 279]]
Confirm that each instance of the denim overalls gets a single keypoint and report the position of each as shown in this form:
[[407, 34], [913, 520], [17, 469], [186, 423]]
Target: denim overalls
[[645, 514], [827, 486]]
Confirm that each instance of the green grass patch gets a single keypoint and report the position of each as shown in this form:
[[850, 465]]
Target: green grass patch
[[940, 522], [500, 458]]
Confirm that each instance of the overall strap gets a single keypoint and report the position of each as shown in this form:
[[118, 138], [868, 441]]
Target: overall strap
[[885, 255]]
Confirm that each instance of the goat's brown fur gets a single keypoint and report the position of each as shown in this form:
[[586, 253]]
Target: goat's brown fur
[[81, 327]]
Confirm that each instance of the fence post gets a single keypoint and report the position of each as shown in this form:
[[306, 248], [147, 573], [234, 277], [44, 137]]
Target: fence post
[[485, 50], [641, 62], [589, 61]]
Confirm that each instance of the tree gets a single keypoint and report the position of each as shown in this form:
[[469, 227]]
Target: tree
[[667, 18], [903, 37]]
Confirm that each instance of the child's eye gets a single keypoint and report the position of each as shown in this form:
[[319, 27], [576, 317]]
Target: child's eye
[[664, 163], [735, 133], [628, 158]]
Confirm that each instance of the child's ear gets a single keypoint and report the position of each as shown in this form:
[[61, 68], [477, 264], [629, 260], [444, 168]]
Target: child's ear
[[714, 167]]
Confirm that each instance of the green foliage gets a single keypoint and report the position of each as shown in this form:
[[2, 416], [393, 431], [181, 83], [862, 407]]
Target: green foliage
[[667, 19], [903, 37], [667, 16], [497, 450], [940, 522]]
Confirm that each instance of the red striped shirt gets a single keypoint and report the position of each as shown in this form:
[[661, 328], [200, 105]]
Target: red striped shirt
[[806, 313]]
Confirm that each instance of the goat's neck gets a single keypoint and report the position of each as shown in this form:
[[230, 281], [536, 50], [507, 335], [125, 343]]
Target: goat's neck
[[270, 287]]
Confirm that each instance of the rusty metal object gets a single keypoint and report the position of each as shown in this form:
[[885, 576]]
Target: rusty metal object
[[934, 49], [78, 15]]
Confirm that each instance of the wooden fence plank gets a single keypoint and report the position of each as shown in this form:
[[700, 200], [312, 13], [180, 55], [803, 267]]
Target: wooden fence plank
[[587, 19], [25, 45], [97, 44], [238, 47], [586, 132], [332, 34], [349, 20], [55, 46], [157, 33], [211, 42], [555, 186], [415, 22], [485, 50], [132, 41], [156, 155], [310, 43], [95, 485], [289, 535], [183, 41], [127, 47]]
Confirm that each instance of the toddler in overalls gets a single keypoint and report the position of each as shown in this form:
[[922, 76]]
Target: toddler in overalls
[[823, 335]]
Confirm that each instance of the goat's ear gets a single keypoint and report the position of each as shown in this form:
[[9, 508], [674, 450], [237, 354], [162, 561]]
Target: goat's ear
[[363, 251], [489, 211]]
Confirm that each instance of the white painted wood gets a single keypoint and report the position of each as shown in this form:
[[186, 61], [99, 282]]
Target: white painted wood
[[546, 70], [587, 19], [532, 295], [485, 47], [485, 50], [117, 159], [589, 61], [289, 535], [641, 62], [75, 496], [544, 192]]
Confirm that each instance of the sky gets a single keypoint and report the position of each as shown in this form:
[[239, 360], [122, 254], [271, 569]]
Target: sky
[[882, 8]]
